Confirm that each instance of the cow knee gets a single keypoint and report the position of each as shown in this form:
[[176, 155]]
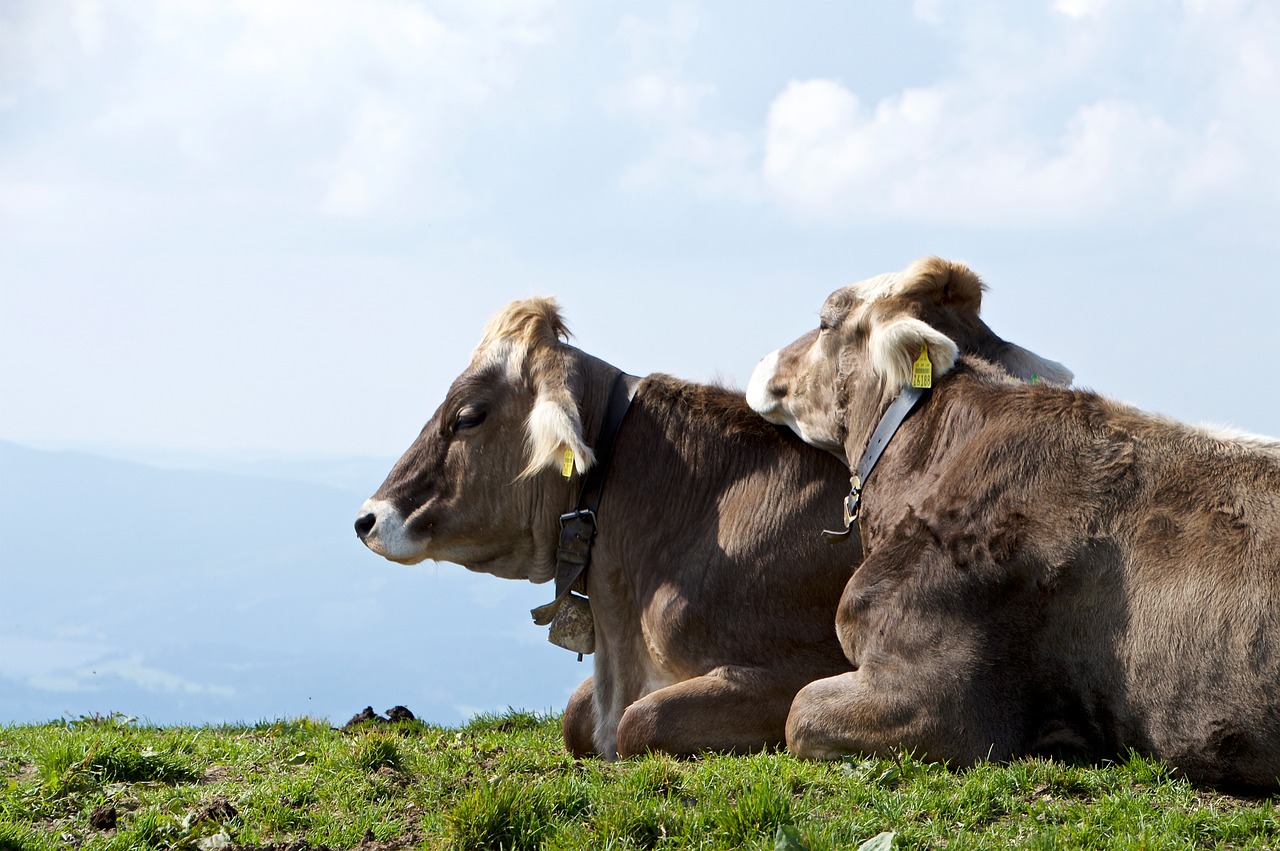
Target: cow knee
[[579, 723], [809, 725], [640, 730]]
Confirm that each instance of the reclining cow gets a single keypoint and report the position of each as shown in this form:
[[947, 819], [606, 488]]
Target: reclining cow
[[713, 599], [1045, 568]]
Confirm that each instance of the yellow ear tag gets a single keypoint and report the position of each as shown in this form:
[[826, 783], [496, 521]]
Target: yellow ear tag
[[566, 468], [922, 369]]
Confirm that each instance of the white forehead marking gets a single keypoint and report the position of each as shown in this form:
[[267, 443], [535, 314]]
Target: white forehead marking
[[504, 353]]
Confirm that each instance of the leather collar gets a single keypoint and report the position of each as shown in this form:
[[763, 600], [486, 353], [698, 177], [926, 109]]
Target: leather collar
[[908, 400]]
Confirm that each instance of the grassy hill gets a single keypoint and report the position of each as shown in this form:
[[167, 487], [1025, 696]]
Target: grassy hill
[[505, 782]]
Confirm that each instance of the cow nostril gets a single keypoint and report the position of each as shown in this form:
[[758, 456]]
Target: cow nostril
[[365, 524], [777, 391]]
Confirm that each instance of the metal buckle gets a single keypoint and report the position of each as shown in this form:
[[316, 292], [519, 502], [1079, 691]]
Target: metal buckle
[[851, 504], [576, 515]]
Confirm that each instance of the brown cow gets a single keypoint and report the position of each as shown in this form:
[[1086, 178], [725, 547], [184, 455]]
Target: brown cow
[[713, 600], [1046, 569]]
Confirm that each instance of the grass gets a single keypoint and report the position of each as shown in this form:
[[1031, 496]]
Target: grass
[[505, 782]]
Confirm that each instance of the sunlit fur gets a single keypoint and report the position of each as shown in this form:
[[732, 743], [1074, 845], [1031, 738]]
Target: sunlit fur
[[530, 323]]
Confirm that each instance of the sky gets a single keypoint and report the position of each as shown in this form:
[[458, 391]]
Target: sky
[[279, 226]]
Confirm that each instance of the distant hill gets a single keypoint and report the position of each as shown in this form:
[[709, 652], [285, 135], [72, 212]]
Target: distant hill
[[193, 596]]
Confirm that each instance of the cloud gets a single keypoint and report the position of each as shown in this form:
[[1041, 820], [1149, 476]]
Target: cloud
[[1080, 8], [65, 665], [1072, 113], [659, 96], [1045, 124], [936, 155], [347, 109]]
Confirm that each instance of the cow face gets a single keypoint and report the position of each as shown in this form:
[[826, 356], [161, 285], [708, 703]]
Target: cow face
[[869, 336], [476, 487]]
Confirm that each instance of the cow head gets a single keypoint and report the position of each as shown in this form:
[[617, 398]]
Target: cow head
[[869, 336], [478, 486]]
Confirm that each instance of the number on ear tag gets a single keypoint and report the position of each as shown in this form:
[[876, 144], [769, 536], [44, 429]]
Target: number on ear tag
[[922, 369], [566, 468]]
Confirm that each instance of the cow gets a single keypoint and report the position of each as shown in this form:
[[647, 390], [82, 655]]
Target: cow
[[1046, 570], [711, 599]]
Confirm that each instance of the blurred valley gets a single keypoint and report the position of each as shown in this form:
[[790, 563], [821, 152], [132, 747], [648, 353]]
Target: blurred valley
[[201, 590]]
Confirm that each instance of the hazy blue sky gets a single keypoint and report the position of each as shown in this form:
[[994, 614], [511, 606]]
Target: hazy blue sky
[[281, 224]]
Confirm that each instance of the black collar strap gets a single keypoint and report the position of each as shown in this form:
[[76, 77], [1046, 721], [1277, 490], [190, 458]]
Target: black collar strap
[[578, 527], [897, 413]]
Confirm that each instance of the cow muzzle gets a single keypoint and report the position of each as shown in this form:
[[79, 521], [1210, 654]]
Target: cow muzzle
[[381, 527], [762, 392]]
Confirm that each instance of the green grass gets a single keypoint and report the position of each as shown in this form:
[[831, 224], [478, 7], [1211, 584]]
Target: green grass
[[505, 782]]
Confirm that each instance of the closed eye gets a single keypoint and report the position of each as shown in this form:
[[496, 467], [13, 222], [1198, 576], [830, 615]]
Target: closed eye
[[469, 417]]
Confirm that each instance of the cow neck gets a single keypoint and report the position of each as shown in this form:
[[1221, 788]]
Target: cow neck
[[578, 527], [894, 416]]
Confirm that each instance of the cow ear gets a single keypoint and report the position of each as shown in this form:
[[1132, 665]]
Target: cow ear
[[1029, 366], [942, 282], [552, 427], [894, 345], [554, 423]]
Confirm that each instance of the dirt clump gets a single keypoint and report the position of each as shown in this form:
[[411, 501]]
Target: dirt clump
[[103, 818], [218, 809], [395, 715]]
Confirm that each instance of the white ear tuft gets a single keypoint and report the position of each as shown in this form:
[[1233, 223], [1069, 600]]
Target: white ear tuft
[[552, 426], [894, 346], [1024, 364]]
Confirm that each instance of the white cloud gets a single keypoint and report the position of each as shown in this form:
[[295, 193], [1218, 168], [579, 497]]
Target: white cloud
[[941, 154], [712, 165], [65, 665], [132, 669], [1104, 124], [1080, 8], [1074, 112], [350, 109], [659, 96]]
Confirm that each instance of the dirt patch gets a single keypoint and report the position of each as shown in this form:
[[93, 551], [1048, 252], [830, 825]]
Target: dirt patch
[[221, 774], [395, 715], [103, 818], [218, 809]]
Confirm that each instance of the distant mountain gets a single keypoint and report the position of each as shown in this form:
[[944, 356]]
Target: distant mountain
[[193, 596]]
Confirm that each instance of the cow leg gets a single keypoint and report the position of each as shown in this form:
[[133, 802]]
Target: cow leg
[[579, 722], [737, 710], [854, 713]]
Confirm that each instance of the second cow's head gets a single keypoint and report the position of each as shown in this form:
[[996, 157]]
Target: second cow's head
[[868, 338]]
